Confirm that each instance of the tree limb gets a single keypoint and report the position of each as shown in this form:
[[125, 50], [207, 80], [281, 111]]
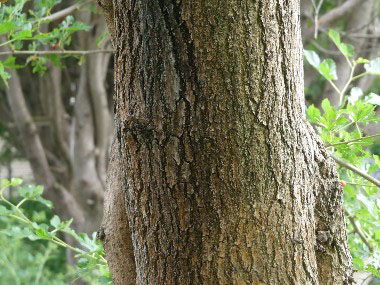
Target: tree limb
[[358, 230], [65, 12], [338, 12], [58, 52], [355, 140], [356, 170]]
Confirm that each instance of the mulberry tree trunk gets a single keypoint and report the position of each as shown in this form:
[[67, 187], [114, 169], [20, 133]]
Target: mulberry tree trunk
[[224, 181]]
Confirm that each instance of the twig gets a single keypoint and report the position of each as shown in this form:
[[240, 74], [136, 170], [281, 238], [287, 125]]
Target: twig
[[341, 97], [358, 230], [316, 13], [338, 12], [62, 52], [324, 50], [358, 184], [351, 141], [356, 170], [64, 12]]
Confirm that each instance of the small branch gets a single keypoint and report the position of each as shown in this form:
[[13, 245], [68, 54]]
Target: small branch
[[348, 82], [359, 76], [324, 50], [358, 230], [355, 140], [356, 170], [59, 52], [65, 12], [338, 12], [334, 86], [60, 14], [358, 184], [316, 13]]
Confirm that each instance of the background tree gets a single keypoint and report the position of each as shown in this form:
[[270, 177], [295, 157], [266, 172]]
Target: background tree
[[224, 180], [62, 116]]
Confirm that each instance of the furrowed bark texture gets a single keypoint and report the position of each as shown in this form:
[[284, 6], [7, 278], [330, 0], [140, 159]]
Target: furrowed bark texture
[[114, 231], [225, 182]]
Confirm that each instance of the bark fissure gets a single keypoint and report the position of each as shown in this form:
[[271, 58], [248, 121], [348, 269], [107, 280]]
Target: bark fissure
[[221, 170]]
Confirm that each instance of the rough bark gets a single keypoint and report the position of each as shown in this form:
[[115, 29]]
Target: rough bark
[[225, 183], [114, 231]]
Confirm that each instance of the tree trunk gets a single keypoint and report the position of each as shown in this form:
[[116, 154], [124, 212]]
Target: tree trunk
[[225, 182]]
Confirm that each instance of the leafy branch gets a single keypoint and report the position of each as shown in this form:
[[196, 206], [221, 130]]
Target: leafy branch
[[356, 170], [92, 254], [57, 52], [354, 140], [341, 130]]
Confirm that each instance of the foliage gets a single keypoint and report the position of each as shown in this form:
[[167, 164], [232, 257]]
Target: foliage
[[90, 254], [342, 131], [22, 25], [25, 263]]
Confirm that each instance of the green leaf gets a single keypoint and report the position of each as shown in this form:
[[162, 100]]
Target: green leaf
[[104, 280], [313, 114], [364, 112], [16, 182], [83, 262], [326, 104], [328, 69], [44, 36], [373, 67], [4, 75], [24, 34], [334, 36], [55, 221], [5, 183], [47, 203], [346, 49], [4, 211], [101, 38], [341, 121], [373, 99], [355, 94], [56, 60], [18, 232], [31, 192], [361, 60], [66, 225], [32, 236], [10, 62], [367, 203], [330, 113], [312, 58], [42, 231], [6, 27]]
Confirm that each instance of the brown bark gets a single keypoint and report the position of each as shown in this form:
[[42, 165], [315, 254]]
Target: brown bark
[[114, 231], [225, 183]]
